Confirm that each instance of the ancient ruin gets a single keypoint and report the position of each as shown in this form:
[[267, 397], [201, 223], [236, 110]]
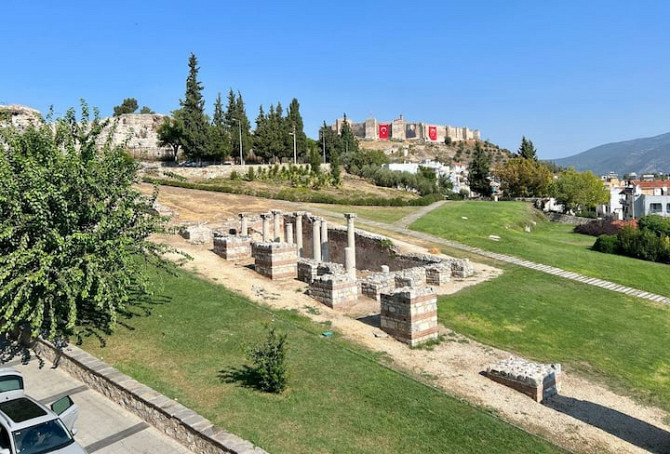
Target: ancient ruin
[[538, 381]]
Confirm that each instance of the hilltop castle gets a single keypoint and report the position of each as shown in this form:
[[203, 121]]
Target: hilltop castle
[[400, 129]]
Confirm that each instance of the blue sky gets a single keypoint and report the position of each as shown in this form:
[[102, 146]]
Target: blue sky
[[569, 75]]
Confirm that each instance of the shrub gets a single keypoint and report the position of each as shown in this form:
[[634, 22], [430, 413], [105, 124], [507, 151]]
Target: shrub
[[251, 176], [600, 227], [269, 360], [234, 175], [606, 244]]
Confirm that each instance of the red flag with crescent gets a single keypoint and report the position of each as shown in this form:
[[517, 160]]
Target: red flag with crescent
[[432, 132], [384, 131]]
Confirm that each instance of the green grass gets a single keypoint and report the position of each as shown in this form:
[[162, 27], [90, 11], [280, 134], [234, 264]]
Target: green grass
[[549, 243], [387, 215], [614, 338], [340, 398]]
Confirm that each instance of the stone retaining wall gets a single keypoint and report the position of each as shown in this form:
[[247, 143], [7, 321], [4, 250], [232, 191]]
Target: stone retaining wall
[[168, 416]]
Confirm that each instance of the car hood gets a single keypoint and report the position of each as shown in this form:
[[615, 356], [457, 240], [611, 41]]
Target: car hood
[[74, 448]]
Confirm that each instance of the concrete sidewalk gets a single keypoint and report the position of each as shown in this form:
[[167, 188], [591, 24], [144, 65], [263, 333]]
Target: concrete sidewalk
[[102, 427]]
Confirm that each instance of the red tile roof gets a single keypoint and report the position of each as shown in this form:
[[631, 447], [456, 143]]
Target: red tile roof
[[651, 184]]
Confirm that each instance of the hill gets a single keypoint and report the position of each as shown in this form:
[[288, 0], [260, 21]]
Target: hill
[[646, 155]]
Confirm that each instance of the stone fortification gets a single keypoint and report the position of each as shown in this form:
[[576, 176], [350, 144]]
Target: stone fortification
[[538, 381], [138, 133]]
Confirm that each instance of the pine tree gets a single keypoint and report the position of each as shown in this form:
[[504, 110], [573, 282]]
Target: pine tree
[[241, 113], [348, 142], [192, 115], [329, 140], [262, 136], [294, 123], [479, 171], [527, 150]]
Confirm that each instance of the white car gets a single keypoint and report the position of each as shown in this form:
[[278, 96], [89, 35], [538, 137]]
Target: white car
[[28, 427]]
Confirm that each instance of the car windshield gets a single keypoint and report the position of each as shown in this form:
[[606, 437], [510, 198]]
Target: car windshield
[[46, 437]]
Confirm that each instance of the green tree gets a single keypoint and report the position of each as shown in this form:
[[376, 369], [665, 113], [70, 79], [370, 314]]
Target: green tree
[[218, 143], [269, 359], [479, 171], [579, 191], [328, 139], [238, 124], [146, 110], [73, 230], [294, 124], [527, 150], [262, 137], [129, 105], [521, 177], [170, 134], [192, 115], [335, 171], [314, 158], [348, 142]]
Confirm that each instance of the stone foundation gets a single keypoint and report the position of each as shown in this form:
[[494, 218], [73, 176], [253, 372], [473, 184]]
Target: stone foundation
[[538, 381], [411, 277], [334, 290], [310, 269], [197, 234], [461, 268], [276, 260], [376, 284], [438, 274], [233, 247], [410, 315]]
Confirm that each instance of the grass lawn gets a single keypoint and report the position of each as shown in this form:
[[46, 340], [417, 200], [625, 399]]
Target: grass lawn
[[388, 215], [340, 399], [616, 338], [549, 243]]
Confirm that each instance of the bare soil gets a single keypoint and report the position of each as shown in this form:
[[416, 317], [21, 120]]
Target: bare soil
[[586, 417]]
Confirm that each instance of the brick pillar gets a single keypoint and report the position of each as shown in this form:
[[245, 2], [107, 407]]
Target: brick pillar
[[244, 229], [351, 244], [324, 241], [298, 231], [276, 234], [266, 227], [316, 238]]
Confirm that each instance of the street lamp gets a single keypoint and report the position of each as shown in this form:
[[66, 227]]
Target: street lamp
[[295, 156], [239, 126]]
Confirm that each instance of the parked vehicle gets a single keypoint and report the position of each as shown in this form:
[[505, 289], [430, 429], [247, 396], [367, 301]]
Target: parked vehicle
[[28, 427]]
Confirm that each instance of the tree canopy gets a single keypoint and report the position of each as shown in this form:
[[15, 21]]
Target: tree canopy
[[73, 231], [579, 191], [479, 171], [129, 105], [527, 150], [521, 177], [192, 115]]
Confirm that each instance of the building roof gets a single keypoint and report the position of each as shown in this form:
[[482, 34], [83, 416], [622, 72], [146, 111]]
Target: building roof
[[651, 184]]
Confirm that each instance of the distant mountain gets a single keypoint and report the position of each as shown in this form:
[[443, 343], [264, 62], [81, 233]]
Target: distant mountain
[[648, 155]]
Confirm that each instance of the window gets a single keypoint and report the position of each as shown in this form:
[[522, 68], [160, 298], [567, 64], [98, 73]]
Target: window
[[667, 208], [655, 207]]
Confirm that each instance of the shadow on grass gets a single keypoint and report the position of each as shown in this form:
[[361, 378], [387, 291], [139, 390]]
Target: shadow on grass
[[635, 431], [243, 376]]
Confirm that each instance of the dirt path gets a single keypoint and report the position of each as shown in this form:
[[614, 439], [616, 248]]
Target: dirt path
[[407, 220], [586, 417]]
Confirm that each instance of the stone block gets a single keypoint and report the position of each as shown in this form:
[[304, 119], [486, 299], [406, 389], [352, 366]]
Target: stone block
[[233, 247], [538, 381], [197, 234], [276, 260], [461, 268], [376, 284], [334, 290], [410, 314], [438, 274]]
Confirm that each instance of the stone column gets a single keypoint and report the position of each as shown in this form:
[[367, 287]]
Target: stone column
[[298, 231], [351, 240], [316, 238], [277, 232], [266, 226], [244, 229], [324, 241], [288, 233], [350, 262]]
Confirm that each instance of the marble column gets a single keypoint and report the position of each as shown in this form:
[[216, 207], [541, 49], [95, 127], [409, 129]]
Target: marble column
[[266, 226], [351, 241], [277, 232], [288, 233], [325, 256], [298, 231], [316, 238], [244, 228]]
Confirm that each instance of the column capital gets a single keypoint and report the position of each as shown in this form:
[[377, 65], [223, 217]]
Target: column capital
[[275, 212], [349, 216], [265, 215]]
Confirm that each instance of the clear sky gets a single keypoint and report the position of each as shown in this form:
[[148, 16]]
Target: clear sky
[[569, 75]]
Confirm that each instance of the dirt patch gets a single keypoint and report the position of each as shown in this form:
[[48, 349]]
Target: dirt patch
[[585, 417]]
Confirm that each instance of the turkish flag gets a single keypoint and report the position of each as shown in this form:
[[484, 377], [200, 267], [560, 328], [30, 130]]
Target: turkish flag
[[384, 131], [432, 132]]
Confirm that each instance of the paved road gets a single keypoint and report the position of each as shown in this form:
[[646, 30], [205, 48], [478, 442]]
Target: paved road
[[103, 427]]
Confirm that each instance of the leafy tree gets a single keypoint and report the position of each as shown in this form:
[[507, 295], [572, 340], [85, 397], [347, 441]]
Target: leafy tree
[[348, 142], [170, 134], [579, 191], [73, 231], [335, 171], [262, 137], [129, 105], [329, 139], [192, 115], [520, 177], [293, 124], [146, 110], [218, 143], [479, 171], [237, 121], [527, 150]]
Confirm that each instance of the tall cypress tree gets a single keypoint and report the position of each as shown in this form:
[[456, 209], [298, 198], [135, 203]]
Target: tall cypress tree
[[479, 170], [328, 139], [294, 123], [262, 136], [241, 113], [218, 145], [192, 115], [348, 142]]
